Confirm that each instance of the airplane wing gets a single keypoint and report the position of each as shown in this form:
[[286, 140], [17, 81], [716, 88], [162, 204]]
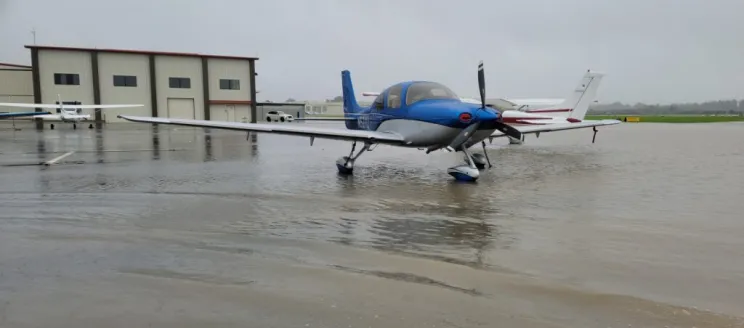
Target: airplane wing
[[286, 129], [53, 106], [21, 114], [557, 127]]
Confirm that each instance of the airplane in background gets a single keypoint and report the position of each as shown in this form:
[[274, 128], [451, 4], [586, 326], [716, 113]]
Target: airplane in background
[[68, 113], [413, 114], [572, 109], [538, 102]]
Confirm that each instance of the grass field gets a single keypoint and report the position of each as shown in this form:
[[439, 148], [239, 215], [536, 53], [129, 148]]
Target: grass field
[[670, 118]]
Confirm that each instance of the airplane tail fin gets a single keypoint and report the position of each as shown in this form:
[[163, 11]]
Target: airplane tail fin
[[577, 105], [349, 99]]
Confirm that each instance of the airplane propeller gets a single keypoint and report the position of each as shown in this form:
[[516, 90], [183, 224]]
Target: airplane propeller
[[498, 123]]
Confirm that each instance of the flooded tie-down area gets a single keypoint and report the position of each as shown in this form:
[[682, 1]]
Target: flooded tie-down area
[[135, 226]]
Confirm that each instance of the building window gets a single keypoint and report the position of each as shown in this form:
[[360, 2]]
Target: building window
[[227, 84], [66, 79], [180, 82], [125, 81]]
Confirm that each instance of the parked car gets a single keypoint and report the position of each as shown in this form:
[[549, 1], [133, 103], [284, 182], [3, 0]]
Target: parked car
[[278, 116]]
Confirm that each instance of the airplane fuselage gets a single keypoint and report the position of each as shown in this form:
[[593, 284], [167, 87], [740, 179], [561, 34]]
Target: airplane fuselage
[[65, 117], [428, 124]]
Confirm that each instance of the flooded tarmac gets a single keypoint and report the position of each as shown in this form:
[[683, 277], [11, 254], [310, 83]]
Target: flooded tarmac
[[178, 227]]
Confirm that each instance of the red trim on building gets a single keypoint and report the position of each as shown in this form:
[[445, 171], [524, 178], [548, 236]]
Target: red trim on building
[[230, 102], [15, 65], [139, 52]]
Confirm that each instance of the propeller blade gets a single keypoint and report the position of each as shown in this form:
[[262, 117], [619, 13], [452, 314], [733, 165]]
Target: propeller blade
[[508, 130], [482, 84], [464, 135]]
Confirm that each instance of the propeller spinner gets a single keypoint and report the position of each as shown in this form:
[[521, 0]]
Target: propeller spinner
[[498, 123]]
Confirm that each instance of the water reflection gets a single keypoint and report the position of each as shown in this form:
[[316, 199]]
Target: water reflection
[[155, 142], [446, 221], [99, 136], [208, 147]]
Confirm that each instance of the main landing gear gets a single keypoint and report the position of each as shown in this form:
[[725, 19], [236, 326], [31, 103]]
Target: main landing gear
[[74, 126], [345, 164], [469, 172]]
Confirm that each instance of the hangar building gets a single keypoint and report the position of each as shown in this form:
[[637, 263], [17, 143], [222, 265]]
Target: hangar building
[[16, 85], [169, 84]]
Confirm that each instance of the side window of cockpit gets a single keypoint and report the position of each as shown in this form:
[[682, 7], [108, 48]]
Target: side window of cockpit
[[379, 102], [394, 96]]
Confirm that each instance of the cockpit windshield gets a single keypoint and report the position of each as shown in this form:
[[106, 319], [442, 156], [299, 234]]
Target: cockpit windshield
[[418, 91]]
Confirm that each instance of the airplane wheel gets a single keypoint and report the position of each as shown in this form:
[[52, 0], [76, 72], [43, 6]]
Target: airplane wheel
[[74, 126]]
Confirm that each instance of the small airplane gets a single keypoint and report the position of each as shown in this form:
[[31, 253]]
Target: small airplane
[[572, 109], [68, 113], [413, 114]]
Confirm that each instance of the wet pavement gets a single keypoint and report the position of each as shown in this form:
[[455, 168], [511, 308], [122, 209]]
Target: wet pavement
[[178, 227]]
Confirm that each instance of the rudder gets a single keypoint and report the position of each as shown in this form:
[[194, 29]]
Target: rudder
[[585, 93]]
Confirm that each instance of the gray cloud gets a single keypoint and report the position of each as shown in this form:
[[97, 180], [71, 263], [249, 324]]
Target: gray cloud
[[652, 50]]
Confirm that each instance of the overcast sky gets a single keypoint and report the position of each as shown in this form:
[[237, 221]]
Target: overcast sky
[[654, 51]]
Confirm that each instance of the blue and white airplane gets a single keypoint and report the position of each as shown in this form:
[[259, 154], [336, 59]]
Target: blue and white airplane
[[414, 114]]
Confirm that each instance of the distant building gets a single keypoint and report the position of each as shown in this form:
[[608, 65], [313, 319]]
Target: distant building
[[323, 108], [16, 85], [169, 84]]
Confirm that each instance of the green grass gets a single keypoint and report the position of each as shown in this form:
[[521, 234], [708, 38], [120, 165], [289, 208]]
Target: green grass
[[671, 118]]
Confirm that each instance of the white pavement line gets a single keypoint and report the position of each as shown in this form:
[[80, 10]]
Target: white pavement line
[[58, 158]]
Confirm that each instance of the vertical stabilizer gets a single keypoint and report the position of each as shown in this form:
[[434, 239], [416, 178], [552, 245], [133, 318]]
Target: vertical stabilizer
[[577, 104], [350, 103]]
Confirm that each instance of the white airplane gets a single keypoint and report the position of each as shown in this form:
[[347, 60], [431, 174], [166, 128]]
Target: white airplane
[[412, 114], [540, 102], [572, 109], [67, 113]]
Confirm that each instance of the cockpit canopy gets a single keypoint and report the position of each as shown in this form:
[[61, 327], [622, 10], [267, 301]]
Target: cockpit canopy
[[418, 91]]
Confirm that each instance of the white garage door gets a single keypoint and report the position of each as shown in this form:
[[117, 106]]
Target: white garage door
[[181, 108]]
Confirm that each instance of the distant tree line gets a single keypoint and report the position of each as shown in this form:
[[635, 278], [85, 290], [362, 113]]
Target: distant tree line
[[721, 107]]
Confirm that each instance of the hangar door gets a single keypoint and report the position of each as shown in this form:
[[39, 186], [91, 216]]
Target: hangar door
[[181, 108], [231, 113]]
